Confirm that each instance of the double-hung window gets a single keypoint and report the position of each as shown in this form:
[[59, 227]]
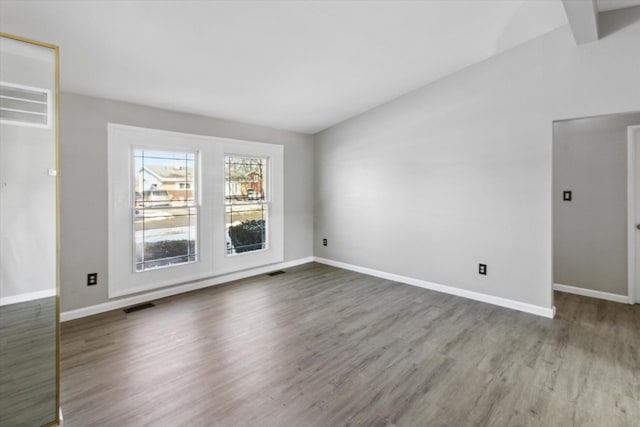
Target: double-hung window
[[165, 214], [246, 203], [185, 207]]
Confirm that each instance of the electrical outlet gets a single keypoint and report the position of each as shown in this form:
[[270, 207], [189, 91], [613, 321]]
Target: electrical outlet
[[324, 242], [482, 269], [92, 279]]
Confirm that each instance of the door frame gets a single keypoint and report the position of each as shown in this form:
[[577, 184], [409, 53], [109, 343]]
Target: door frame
[[633, 139]]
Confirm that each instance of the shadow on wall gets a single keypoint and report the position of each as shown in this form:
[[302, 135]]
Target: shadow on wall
[[616, 20]]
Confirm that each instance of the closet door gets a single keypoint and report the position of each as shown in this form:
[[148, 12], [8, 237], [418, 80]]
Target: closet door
[[29, 305]]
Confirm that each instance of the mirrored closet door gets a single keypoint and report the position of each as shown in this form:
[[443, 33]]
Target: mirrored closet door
[[29, 291]]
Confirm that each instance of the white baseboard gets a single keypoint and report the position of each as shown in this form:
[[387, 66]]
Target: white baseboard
[[502, 302], [162, 293], [29, 296], [591, 293]]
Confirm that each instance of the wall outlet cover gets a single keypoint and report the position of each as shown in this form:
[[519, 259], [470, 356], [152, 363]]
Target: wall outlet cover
[[92, 279], [482, 269]]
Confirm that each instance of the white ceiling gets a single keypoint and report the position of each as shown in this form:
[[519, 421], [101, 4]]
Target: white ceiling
[[296, 65]]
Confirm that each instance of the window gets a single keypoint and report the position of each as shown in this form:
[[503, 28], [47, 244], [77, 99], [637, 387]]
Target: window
[[247, 207], [186, 207], [165, 221]]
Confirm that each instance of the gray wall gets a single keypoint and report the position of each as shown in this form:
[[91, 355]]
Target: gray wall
[[590, 232], [458, 172], [83, 180]]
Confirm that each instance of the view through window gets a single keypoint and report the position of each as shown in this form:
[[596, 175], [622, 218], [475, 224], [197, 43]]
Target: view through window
[[165, 209], [247, 206], [185, 208]]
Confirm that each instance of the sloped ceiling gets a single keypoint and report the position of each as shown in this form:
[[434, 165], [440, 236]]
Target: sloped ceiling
[[295, 65]]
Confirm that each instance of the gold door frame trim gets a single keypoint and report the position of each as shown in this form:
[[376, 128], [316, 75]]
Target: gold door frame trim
[[56, 51]]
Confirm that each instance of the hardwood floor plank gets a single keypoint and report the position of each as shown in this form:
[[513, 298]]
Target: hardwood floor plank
[[320, 346]]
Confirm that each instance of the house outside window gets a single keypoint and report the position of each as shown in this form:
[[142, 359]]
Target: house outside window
[[165, 219], [174, 199], [246, 204]]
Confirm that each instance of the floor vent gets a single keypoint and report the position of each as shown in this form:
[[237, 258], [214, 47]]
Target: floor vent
[[138, 307], [276, 273]]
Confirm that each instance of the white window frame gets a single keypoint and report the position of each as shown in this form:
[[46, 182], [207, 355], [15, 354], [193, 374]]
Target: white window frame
[[274, 250], [209, 176], [265, 201], [195, 205]]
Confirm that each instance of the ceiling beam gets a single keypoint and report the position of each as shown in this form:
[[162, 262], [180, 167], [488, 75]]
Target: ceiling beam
[[583, 19]]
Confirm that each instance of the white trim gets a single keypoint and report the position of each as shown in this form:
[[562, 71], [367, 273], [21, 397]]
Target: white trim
[[502, 302], [631, 214], [590, 293], [212, 259], [162, 293], [29, 296], [552, 230]]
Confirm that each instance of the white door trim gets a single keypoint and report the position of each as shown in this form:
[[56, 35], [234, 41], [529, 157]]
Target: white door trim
[[633, 133]]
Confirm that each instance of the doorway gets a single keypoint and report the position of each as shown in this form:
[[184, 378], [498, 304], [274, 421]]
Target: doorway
[[591, 223]]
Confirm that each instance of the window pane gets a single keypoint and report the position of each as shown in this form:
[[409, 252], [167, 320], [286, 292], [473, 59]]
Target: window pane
[[245, 179], [164, 178], [246, 228], [246, 204], [165, 237], [166, 212]]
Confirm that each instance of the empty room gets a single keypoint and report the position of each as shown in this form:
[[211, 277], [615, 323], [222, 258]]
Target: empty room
[[319, 213]]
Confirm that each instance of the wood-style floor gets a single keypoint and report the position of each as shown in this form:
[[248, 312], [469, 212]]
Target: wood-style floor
[[28, 363], [320, 346]]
